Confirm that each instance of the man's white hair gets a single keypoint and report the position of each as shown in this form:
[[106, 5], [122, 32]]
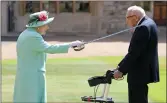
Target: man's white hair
[[136, 10]]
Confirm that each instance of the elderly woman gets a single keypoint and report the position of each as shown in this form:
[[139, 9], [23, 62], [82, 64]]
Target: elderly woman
[[31, 57]]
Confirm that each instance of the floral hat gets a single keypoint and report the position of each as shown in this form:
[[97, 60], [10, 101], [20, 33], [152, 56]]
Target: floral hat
[[39, 19]]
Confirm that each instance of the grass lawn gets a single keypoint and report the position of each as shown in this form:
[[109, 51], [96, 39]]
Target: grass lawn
[[67, 79]]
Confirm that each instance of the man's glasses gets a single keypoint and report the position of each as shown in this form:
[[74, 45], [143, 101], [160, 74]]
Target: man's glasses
[[130, 16]]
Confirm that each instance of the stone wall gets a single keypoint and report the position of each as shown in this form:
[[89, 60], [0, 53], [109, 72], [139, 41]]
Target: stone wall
[[114, 13], [4, 18], [108, 17], [63, 22]]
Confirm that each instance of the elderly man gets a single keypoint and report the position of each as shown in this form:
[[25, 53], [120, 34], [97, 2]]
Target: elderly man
[[141, 62]]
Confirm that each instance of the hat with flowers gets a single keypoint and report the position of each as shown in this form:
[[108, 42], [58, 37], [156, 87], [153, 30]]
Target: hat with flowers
[[39, 19]]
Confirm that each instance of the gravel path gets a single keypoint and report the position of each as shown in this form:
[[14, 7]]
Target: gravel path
[[92, 49]]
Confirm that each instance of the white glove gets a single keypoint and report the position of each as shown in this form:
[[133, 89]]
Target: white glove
[[76, 43]]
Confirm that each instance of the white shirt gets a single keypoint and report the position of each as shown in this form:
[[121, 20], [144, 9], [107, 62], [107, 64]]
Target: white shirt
[[140, 20], [138, 23]]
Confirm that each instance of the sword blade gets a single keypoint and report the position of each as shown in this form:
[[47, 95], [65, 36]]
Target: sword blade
[[110, 35]]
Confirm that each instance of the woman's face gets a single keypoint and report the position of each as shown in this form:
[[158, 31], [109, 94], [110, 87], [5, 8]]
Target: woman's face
[[42, 29]]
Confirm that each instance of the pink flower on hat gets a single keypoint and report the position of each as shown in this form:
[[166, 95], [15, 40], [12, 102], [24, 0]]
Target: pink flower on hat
[[42, 17]]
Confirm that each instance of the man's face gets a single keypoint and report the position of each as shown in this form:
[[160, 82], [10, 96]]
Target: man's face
[[131, 20]]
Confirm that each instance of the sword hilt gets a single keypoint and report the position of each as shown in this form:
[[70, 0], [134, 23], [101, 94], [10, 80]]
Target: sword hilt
[[76, 48], [79, 48]]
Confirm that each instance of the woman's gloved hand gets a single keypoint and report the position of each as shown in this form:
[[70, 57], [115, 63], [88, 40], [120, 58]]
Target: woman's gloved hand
[[77, 45]]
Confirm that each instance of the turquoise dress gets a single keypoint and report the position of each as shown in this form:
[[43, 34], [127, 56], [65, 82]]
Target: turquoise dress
[[30, 83]]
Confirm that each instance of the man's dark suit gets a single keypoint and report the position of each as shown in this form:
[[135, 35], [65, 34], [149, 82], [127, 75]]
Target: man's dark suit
[[141, 62]]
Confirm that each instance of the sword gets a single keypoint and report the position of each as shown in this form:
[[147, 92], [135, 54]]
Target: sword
[[78, 48]]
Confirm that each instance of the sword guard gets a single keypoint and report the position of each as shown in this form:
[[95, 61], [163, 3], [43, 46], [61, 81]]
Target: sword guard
[[78, 48]]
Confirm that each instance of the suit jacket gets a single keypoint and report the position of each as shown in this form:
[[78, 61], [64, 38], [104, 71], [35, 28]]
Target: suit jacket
[[31, 58], [141, 62]]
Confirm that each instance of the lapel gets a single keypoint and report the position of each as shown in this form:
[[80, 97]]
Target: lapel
[[142, 20]]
